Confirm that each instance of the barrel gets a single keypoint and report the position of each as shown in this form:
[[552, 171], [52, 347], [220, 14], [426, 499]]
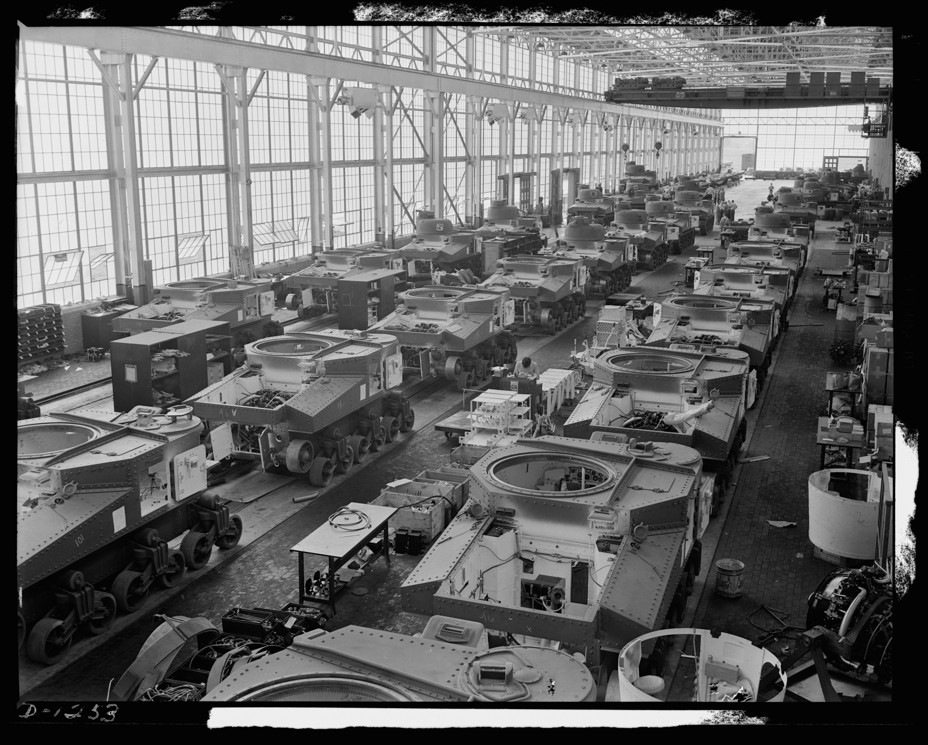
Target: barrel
[[729, 578], [873, 302]]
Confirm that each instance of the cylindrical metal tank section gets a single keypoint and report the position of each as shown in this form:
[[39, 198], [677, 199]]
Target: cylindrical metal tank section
[[658, 208], [790, 199], [771, 220], [501, 212], [632, 218], [582, 230], [42, 440], [279, 356], [728, 669], [433, 228], [844, 506]]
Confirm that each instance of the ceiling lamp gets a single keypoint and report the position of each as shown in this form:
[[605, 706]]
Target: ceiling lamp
[[359, 100]]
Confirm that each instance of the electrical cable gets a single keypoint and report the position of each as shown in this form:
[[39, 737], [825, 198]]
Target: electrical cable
[[363, 522]]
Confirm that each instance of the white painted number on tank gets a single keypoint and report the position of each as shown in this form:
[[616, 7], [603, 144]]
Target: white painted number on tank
[[79, 540]]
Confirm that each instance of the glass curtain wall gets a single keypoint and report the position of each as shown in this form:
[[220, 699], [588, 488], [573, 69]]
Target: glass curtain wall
[[798, 138], [67, 186]]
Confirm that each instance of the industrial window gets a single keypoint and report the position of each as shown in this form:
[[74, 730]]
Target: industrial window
[[263, 233], [190, 247], [302, 229], [61, 269], [100, 261]]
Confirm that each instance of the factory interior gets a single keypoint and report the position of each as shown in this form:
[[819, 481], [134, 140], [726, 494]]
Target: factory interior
[[456, 365]]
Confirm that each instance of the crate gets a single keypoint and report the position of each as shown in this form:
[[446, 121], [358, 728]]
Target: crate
[[458, 483], [427, 517], [468, 455]]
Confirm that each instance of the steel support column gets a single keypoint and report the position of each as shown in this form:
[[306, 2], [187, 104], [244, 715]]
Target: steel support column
[[119, 109], [315, 157], [380, 211]]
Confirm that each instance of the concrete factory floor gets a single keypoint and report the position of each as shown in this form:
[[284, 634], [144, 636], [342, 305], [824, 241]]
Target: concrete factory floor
[[780, 569]]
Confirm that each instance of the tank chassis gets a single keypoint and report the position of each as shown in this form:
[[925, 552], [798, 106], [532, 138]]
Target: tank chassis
[[681, 225], [693, 396], [748, 281], [693, 202], [265, 655], [586, 543], [311, 403], [751, 325], [768, 253], [799, 208], [97, 503], [246, 304], [605, 257], [775, 227], [456, 332], [548, 290], [593, 205], [647, 239], [314, 290], [440, 247]]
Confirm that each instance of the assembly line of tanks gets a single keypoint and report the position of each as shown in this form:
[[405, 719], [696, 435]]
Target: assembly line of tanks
[[646, 458]]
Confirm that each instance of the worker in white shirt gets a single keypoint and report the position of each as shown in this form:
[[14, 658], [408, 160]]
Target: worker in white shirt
[[527, 369]]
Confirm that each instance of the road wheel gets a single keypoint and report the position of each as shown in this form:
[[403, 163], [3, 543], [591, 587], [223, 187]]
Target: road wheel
[[129, 590], [321, 471], [359, 446], [177, 565], [409, 421], [392, 427], [232, 536], [104, 613], [379, 438], [300, 456], [47, 641], [196, 548], [344, 462]]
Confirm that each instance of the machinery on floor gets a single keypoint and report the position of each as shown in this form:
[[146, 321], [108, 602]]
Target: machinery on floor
[[312, 403], [246, 304], [605, 257], [681, 227], [695, 204], [451, 661], [854, 610], [459, 333], [97, 503], [647, 240], [751, 325], [584, 543], [693, 395], [548, 291], [315, 289]]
